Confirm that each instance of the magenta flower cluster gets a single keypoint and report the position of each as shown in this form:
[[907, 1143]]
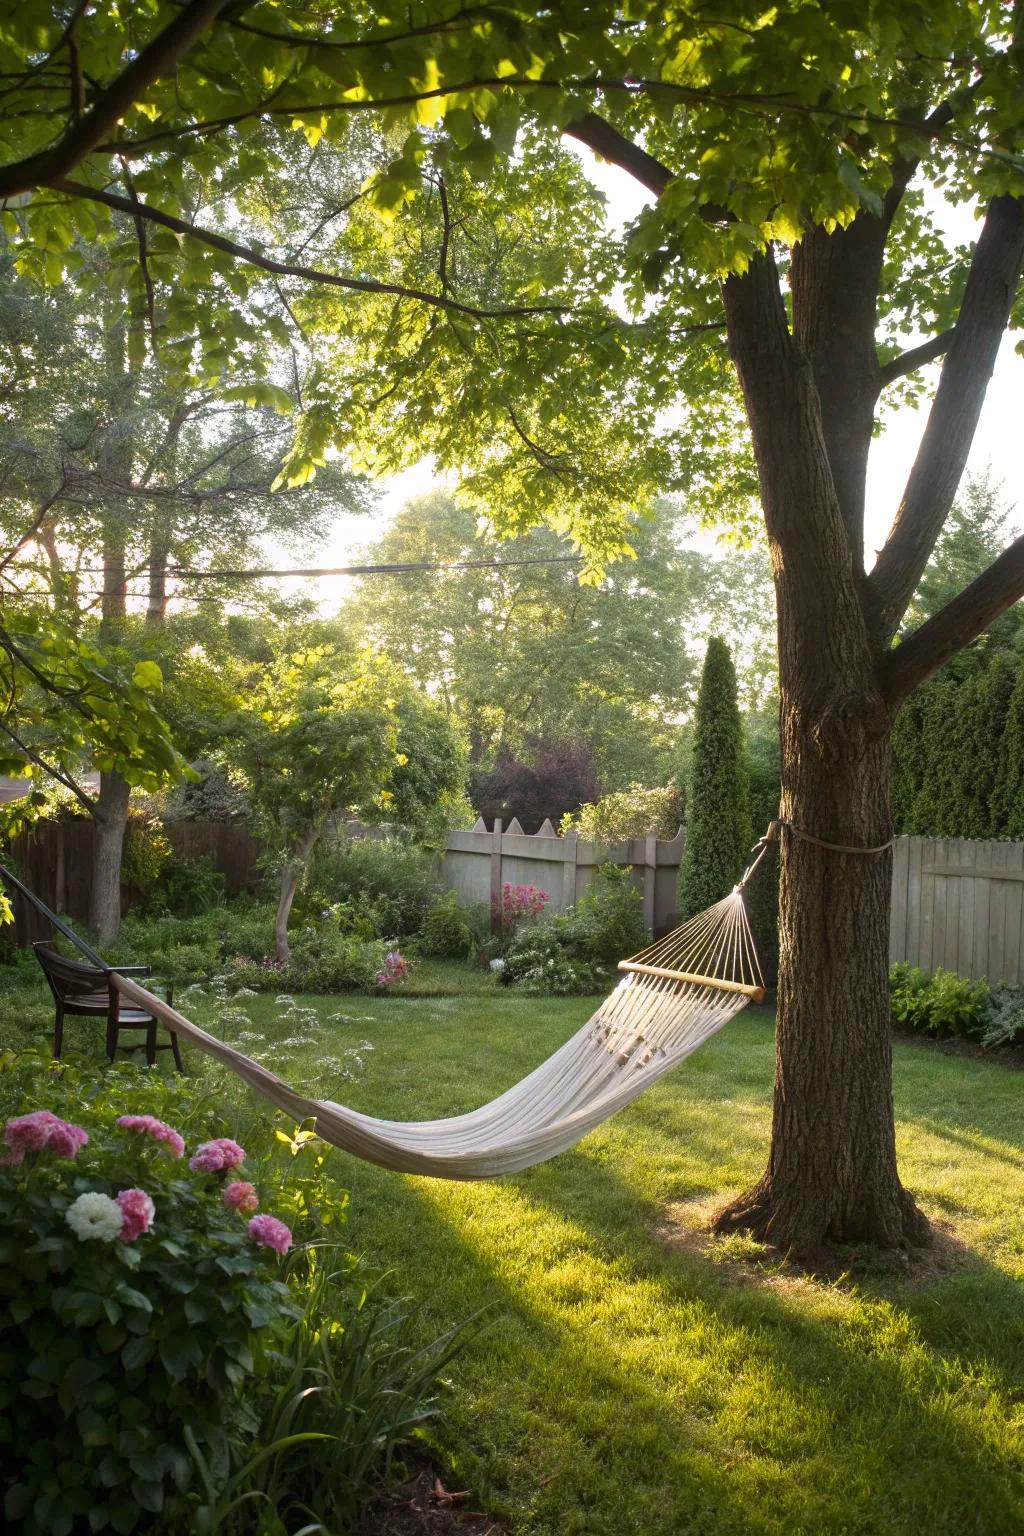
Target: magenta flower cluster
[[519, 901], [217, 1156], [42, 1131], [395, 968], [149, 1125]]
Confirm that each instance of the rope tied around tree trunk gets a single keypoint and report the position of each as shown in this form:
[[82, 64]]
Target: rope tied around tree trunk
[[761, 847]]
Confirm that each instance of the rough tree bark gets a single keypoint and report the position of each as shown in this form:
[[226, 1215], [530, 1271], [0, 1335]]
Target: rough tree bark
[[110, 818]]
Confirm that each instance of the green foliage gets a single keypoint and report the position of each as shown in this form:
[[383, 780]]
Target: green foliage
[[146, 851], [350, 1381], [426, 790], [938, 1003], [632, 812], [1007, 803], [448, 933], [187, 887], [112, 1349], [1004, 1017], [570, 954], [71, 701], [718, 833], [389, 878], [320, 738], [606, 924], [955, 753]]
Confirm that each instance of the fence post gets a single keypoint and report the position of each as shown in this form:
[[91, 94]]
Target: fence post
[[572, 854], [650, 880], [496, 877]]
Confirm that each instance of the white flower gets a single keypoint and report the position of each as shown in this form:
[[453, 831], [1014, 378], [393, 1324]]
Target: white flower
[[95, 1215]]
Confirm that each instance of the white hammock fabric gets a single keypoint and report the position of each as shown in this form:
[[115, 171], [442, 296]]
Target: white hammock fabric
[[673, 997]]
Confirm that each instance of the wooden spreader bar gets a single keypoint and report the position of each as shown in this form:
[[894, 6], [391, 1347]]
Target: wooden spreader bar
[[755, 993]]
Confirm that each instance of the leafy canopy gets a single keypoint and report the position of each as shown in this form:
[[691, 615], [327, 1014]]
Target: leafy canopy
[[427, 235]]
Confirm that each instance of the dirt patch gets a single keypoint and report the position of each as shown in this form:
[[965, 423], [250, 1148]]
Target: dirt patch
[[423, 1505], [686, 1227]]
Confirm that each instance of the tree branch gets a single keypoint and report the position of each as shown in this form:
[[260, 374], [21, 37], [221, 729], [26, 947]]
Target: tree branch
[[289, 269], [599, 135], [85, 133], [916, 357], [55, 773], [954, 626], [36, 524], [970, 358]]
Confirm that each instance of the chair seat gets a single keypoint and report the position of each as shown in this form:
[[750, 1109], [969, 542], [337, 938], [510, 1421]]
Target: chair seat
[[129, 1017]]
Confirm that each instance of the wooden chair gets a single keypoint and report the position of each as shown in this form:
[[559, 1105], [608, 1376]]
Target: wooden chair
[[86, 991]]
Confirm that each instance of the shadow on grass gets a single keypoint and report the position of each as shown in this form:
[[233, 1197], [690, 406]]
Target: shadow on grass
[[658, 1397]]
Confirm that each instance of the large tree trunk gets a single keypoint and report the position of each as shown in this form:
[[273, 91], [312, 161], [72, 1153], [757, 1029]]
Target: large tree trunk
[[110, 818], [832, 1165]]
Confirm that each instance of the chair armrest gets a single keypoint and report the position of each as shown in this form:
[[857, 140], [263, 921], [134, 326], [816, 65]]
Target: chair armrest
[[132, 970]]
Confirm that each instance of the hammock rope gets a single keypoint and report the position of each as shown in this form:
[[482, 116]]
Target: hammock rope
[[673, 997]]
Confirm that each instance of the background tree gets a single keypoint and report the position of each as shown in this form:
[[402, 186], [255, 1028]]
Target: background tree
[[718, 832], [465, 303], [319, 740]]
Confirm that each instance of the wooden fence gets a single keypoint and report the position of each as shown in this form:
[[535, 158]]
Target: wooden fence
[[55, 858], [959, 904], [955, 903], [477, 864]]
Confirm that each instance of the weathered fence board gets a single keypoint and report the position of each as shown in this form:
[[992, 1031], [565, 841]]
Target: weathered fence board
[[959, 903]]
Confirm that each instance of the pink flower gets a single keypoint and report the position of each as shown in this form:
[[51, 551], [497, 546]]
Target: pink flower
[[31, 1133], [217, 1155], [139, 1211], [149, 1125], [395, 968], [241, 1197], [268, 1232]]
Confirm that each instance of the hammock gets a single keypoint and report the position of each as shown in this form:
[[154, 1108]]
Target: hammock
[[674, 995]]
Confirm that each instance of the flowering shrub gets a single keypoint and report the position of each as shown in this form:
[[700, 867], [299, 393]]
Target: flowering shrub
[[519, 902], [136, 1298], [395, 968]]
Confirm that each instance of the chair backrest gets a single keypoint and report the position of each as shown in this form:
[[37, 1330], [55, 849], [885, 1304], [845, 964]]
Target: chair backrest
[[68, 978]]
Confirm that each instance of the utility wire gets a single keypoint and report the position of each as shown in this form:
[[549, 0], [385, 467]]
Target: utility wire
[[185, 574]]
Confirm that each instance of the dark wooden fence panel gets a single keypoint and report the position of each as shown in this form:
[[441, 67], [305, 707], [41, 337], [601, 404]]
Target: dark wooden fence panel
[[55, 860]]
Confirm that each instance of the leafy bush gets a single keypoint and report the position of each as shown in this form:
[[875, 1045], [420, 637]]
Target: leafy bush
[[540, 961], [606, 924], [1004, 1017], [632, 812], [938, 1003], [346, 1386], [567, 955], [146, 851], [386, 877], [132, 1296], [178, 1377], [186, 887], [448, 933], [322, 960]]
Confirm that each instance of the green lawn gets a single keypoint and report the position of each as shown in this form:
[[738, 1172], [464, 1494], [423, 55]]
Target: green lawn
[[636, 1379]]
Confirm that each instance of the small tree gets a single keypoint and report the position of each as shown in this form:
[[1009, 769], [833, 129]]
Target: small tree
[[718, 831], [321, 740]]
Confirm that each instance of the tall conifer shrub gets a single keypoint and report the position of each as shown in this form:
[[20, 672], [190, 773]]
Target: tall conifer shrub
[[718, 832]]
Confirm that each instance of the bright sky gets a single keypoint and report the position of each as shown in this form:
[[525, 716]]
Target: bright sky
[[996, 445]]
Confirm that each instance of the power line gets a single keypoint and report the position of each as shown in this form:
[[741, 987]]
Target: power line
[[392, 569]]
